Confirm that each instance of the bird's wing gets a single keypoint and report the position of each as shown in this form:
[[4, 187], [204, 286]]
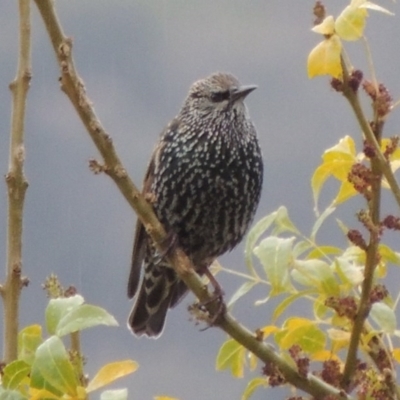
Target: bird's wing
[[140, 242]]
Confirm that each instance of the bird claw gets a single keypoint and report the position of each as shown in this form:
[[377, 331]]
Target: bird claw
[[218, 313]]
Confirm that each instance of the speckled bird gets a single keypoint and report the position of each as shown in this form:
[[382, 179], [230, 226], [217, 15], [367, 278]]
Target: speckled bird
[[204, 180]]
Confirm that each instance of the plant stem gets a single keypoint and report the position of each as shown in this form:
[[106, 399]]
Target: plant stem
[[16, 186], [377, 169]]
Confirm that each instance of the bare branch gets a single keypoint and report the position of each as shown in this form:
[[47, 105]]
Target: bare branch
[[16, 185]]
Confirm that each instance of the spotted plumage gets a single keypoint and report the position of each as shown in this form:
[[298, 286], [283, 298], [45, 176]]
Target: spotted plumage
[[204, 178]]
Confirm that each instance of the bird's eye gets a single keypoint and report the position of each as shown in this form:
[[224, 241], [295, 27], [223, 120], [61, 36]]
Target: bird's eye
[[217, 97]]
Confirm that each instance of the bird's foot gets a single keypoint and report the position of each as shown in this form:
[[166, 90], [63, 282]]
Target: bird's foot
[[217, 298]]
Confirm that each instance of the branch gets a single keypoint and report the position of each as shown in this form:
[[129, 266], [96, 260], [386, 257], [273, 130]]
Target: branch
[[383, 164], [16, 186], [73, 87], [378, 167]]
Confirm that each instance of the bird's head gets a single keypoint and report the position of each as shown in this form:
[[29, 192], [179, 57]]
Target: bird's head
[[218, 92]]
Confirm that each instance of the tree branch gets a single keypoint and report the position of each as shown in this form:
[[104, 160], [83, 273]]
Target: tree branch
[[72, 85], [383, 164], [378, 167], [16, 186]]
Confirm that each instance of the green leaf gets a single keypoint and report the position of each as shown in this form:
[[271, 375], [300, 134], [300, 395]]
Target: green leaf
[[284, 223], [111, 372], [252, 386], [317, 274], [350, 24], [82, 317], [11, 395], [243, 289], [384, 317], [301, 247], [59, 308], [389, 255], [14, 373], [275, 254], [319, 308], [231, 356], [283, 305], [349, 273], [318, 223], [255, 233], [53, 364], [303, 332], [118, 394], [323, 252], [29, 340]]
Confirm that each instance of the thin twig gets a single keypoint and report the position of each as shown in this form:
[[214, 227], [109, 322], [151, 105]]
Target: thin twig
[[72, 85], [16, 185]]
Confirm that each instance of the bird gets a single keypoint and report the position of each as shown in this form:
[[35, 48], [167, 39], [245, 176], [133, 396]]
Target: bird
[[204, 183]]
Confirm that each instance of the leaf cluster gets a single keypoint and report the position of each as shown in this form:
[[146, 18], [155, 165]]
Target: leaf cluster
[[47, 369]]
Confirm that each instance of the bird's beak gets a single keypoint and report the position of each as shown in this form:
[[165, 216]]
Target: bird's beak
[[242, 91]]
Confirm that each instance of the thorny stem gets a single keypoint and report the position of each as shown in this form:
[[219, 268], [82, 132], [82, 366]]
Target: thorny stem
[[72, 85], [16, 186]]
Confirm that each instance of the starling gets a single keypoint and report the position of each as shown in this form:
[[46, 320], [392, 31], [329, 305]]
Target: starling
[[204, 180]]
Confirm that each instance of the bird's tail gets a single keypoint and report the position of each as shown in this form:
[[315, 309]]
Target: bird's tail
[[160, 289]]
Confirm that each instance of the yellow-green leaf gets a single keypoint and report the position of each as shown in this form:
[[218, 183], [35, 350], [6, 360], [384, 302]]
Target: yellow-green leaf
[[111, 372], [243, 289], [275, 254], [268, 329], [252, 386], [320, 220], [283, 223], [326, 27], [231, 356], [344, 150], [116, 394], [52, 361], [83, 317], [317, 274], [303, 332], [350, 23], [14, 373], [29, 340], [384, 317], [389, 255], [165, 398], [396, 354], [40, 394], [349, 273], [285, 303], [346, 191], [323, 252], [324, 58], [255, 233], [59, 308]]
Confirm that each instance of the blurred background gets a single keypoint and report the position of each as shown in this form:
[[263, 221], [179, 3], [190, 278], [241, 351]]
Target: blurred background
[[137, 59]]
